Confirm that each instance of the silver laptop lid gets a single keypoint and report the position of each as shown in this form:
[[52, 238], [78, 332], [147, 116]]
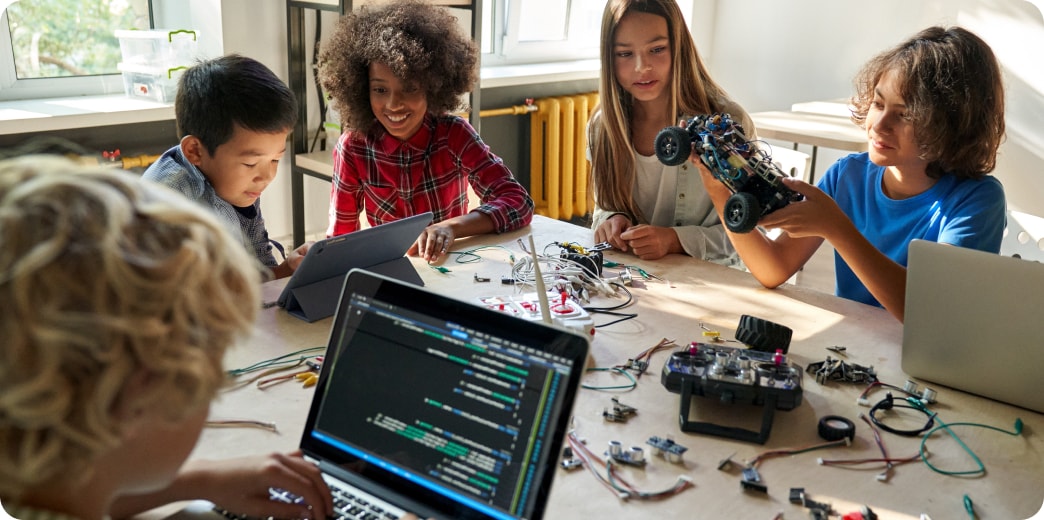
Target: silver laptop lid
[[973, 322]]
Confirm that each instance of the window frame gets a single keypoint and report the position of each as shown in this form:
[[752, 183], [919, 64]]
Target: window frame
[[507, 50], [12, 88]]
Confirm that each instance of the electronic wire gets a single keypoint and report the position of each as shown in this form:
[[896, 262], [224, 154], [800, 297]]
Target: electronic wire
[[613, 481], [889, 462], [293, 358], [613, 370], [753, 463]]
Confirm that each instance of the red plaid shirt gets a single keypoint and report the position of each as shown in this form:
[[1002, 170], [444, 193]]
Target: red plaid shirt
[[393, 179]]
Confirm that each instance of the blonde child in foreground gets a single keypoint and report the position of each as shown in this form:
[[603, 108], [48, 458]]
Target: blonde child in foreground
[[121, 297]]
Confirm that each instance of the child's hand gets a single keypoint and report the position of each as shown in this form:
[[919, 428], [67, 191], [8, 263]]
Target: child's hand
[[241, 486], [817, 215], [433, 242], [610, 230], [296, 256], [652, 242]]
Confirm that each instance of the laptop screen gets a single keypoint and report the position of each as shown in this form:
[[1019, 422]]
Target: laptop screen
[[449, 403]]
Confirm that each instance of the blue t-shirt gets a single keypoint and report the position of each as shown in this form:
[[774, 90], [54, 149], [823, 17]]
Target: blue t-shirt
[[963, 212]]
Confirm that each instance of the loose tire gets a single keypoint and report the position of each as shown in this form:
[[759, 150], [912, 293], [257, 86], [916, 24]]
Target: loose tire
[[763, 335]]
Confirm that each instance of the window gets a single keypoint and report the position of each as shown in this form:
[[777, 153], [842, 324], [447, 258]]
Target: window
[[64, 47], [533, 31], [540, 31]]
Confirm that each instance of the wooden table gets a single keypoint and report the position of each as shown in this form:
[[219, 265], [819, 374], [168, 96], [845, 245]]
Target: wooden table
[[820, 128], [695, 292]]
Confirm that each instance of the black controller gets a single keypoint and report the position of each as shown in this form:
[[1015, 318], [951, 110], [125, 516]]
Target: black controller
[[732, 375]]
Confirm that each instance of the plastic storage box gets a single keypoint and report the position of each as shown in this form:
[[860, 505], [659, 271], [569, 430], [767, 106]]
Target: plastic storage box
[[159, 47], [155, 83], [153, 61]]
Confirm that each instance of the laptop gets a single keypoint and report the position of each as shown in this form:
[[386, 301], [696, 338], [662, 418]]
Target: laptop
[[439, 407], [312, 291], [973, 322]]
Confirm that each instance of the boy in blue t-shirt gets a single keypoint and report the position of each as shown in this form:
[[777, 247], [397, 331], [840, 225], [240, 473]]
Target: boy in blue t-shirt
[[933, 110], [233, 117]]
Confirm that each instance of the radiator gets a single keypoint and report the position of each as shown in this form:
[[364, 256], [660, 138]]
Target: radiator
[[560, 175]]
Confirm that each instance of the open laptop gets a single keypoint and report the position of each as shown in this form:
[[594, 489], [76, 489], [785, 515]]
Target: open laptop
[[440, 407], [973, 322], [312, 291]]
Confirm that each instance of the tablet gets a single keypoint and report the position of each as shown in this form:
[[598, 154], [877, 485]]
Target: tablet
[[314, 289]]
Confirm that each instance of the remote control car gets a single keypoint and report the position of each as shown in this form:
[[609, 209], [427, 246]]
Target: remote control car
[[754, 180]]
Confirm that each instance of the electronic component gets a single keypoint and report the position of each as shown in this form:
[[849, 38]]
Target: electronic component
[[832, 369], [726, 463], [619, 413], [732, 375], [752, 480], [571, 464], [565, 311], [634, 456], [667, 448]]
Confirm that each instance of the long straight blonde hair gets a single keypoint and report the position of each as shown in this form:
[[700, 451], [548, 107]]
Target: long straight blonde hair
[[692, 91]]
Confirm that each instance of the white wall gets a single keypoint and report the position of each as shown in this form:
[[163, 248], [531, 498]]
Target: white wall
[[771, 54]]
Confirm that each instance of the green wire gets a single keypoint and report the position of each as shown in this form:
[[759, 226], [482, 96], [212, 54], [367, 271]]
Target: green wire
[[285, 359], [470, 256], [631, 386], [981, 468]]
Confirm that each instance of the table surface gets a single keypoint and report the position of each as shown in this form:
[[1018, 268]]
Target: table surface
[[695, 292], [817, 128]]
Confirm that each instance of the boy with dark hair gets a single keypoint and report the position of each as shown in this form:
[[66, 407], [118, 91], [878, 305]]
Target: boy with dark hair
[[233, 116]]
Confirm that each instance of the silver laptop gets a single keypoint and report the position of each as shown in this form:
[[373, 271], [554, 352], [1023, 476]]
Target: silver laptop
[[439, 407], [974, 322]]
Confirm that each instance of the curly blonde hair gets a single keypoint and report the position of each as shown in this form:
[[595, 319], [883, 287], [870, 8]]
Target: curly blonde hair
[[421, 43], [103, 276]]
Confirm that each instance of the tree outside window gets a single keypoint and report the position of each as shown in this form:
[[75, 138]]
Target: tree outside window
[[59, 38]]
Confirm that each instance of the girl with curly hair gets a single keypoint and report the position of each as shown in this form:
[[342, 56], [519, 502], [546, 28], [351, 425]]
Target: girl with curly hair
[[933, 111], [395, 73], [651, 77]]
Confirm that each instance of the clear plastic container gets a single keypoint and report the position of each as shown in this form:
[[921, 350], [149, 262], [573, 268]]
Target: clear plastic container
[[154, 83], [159, 48]]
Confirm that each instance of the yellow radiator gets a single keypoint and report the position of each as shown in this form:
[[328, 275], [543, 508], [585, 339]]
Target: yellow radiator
[[560, 174]]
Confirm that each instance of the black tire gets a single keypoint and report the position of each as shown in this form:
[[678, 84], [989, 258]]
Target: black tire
[[673, 146], [742, 212], [763, 335]]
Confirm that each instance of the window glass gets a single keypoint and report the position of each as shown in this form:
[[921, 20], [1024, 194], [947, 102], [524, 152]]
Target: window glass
[[543, 20], [54, 38], [542, 31]]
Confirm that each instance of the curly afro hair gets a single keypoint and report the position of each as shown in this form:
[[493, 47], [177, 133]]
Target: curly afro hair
[[421, 43]]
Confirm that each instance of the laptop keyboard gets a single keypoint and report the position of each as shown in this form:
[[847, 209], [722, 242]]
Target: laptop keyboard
[[349, 504]]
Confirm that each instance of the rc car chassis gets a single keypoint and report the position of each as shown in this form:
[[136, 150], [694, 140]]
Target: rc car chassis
[[749, 173]]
